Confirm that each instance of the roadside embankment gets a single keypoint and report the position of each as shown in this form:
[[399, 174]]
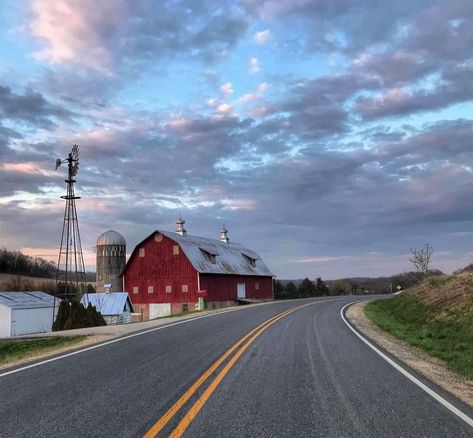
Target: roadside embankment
[[18, 351], [429, 327]]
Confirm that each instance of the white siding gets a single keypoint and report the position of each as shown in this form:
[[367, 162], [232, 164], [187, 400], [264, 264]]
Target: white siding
[[5, 321], [25, 321]]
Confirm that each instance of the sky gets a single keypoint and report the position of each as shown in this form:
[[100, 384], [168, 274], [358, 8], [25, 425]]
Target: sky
[[330, 136]]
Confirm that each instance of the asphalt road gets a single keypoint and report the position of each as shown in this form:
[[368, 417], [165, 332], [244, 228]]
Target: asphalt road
[[306, 374]]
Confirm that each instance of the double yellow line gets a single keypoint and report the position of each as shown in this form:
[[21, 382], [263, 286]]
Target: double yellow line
[[242, 344]]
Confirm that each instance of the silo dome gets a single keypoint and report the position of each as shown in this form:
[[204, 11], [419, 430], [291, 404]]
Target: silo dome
[[111, 238]]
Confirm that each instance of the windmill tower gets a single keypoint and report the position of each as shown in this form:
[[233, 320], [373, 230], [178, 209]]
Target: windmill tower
[[70, 274]]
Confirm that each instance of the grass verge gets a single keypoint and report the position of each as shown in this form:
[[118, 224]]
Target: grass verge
[[20, 349], [447, 335]]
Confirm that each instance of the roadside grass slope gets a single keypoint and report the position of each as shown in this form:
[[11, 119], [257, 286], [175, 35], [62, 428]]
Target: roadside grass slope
[[436, 316], [18, 349]]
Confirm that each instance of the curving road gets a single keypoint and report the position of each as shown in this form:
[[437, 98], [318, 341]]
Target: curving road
[[303, 373]]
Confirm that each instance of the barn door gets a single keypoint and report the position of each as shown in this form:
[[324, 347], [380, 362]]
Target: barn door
[[241, 291]]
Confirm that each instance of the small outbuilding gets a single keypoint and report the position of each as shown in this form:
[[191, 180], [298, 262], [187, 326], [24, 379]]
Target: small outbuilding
[[115, 307], [23, 313]]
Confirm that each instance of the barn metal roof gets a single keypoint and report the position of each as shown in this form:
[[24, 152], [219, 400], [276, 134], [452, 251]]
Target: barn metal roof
[[112, 303], [229, 257], [27, 300]]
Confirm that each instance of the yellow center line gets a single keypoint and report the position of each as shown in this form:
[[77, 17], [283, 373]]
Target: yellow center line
[[161, 423], [198, 405]]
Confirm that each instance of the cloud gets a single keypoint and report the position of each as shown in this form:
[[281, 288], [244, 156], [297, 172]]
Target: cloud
[[103, 35], [454, 86], [30, 107], [262, 37], [254, 66], [225, 108], [226, 89]]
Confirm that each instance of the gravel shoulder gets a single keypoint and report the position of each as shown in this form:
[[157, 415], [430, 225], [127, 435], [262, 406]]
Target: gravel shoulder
[[432, 368]]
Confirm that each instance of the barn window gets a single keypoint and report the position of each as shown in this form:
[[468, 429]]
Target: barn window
[[150, 289], [185, 307], [168, 289], [184, 288], [142, 252], [158, 237], [257, 286], [209, 256], [251, 261], [175, 250], [135, 289]]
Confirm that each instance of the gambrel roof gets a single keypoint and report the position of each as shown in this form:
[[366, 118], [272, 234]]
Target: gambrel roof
[[212, 256]]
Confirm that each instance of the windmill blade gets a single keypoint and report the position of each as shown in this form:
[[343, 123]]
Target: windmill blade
[[58, 163], [75, 152]]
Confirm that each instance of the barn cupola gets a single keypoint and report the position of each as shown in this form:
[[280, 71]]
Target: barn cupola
[[180, 226], [224, 235]]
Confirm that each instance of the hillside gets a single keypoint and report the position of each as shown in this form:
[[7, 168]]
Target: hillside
[[436, 316]]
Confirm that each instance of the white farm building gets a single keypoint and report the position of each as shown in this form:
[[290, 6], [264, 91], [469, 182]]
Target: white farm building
[[23, 313]]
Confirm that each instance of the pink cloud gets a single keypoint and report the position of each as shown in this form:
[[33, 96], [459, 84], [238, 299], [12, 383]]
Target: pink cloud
[[72, 30], [239, 204]]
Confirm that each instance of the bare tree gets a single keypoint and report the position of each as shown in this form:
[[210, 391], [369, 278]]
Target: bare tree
[[421, 258]]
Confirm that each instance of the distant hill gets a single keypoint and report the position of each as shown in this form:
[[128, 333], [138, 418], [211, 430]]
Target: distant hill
[[17, 263], [468, 268], [374, 284]]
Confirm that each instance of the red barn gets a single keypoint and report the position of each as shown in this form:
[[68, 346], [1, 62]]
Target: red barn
[[167, 273]]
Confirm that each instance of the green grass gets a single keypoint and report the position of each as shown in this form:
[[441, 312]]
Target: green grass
[[449, 338], [13, 350]]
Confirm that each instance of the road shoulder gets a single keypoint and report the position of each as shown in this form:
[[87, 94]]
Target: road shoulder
[[431, 368], [54, 351]]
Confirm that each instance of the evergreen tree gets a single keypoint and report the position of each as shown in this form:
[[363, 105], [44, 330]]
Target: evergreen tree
[[279, 290], [95, 316], [62, 316], [321, 289], [306, 289], [291, 290]]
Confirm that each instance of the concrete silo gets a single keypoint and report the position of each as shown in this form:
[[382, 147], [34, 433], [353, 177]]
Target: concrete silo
[[111, 259]]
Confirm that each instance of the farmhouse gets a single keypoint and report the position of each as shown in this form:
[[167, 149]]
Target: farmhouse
[[168, 273], [23, 313]]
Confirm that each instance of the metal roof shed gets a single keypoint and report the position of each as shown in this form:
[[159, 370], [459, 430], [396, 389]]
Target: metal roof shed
[[115, 307], [24, 313]]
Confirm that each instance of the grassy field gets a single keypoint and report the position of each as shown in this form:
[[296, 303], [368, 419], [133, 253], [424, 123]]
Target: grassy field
[[14, 350], [39, 282], [436, 316]]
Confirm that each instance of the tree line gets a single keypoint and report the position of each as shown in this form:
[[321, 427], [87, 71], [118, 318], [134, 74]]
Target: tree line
[[306, 289], [15, 262]]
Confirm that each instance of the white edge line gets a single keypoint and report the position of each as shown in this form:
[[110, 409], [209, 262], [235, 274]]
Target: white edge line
[[113, 341], [413, 379]]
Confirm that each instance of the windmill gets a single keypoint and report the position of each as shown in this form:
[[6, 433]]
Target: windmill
[[70, 274]]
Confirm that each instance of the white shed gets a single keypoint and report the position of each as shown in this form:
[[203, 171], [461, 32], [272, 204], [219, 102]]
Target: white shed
[[115, 307], [24, 313]]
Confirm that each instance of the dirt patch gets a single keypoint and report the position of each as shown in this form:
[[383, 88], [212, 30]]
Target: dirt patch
[[90, 340], [432, 368]]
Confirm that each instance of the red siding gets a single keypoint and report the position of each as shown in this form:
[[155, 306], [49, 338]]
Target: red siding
[[160, 268], [224, 287]]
